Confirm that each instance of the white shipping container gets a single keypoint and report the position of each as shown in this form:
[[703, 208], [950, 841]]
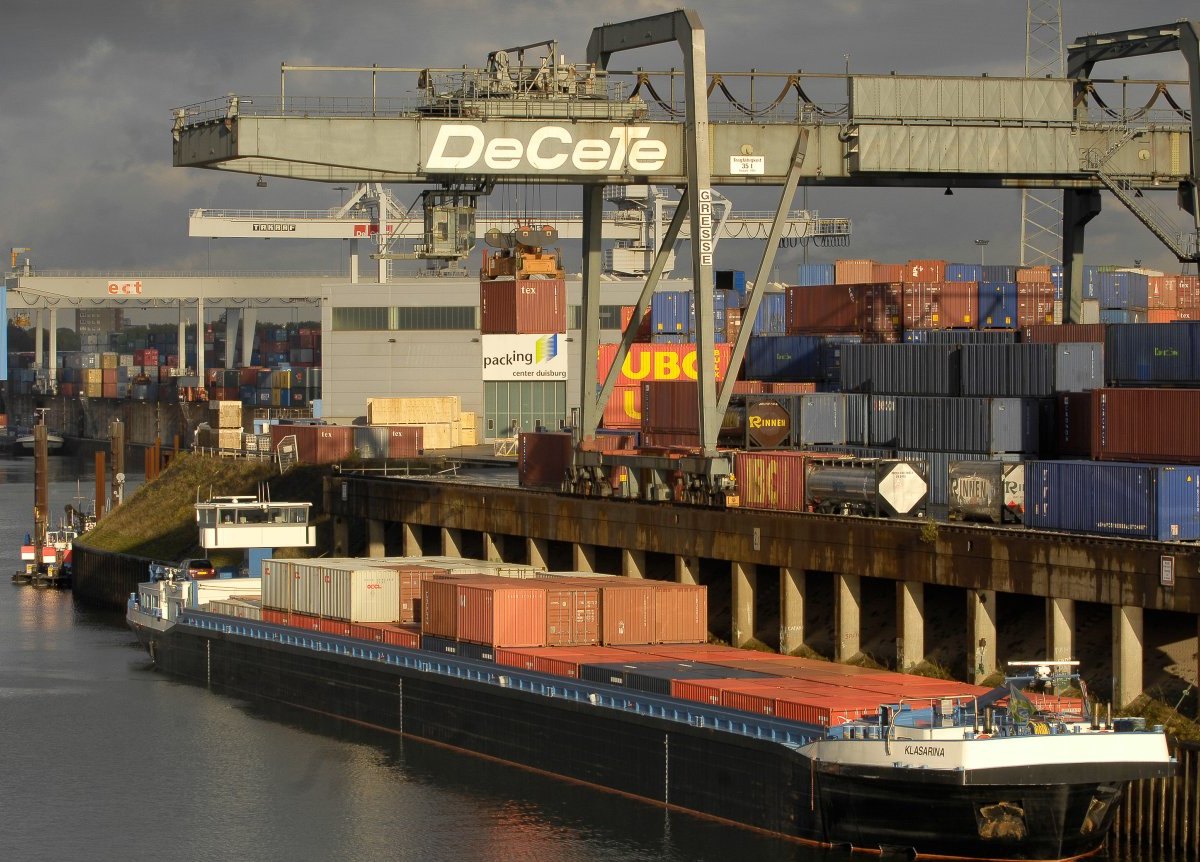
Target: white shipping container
[[362, 596], [278, 585]]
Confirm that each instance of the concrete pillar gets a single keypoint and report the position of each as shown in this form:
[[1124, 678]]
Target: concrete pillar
[[687, 570], [791, 609], [539, 553], [249, 324], [354, 261], [1127, 654], [981, 611], [39, 323], [52, 351], [410, 540], [182, 339], [745, 583], [633, 563], [451, 542], [849, 616], [583, 557], [490, 551], [375, 542], [910, 601], [200, 338], [341, 537], [1060, 629], [232, 317]]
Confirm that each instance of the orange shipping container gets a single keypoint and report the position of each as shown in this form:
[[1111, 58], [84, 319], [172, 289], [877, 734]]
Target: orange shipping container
[[1031, 274], [505, 613], [439, 615], [960, 305], [853, 271], [1162, 315], [624, 407], [1163, 292], [883, 273], [572, 614], [680, 613], [626, 613]]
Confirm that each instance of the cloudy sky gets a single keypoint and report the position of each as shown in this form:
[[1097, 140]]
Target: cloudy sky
[[87, 88]]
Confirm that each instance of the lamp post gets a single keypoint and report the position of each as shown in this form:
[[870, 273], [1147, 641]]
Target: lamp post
[[982, 243]]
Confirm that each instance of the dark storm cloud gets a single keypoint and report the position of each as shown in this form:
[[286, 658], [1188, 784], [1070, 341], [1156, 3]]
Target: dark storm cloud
[[86, 90]]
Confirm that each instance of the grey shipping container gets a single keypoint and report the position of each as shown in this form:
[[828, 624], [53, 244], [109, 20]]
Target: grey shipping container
[[937, 467], [371, 441], [871, 420], [901, 369], [1031, 370], [823, 418], [985, 426]]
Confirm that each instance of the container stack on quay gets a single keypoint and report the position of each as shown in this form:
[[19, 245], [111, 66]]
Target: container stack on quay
[[962, 371], [283, 369], [439, 419], [647, 636]]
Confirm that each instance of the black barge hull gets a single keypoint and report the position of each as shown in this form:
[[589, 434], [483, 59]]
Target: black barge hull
[[750, 782]]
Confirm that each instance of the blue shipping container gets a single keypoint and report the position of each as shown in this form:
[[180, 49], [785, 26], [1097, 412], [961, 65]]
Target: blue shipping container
[[784, 357], [1148, 501], [1125, 290], [772, 315], [998, 305], [1139, 355], [998, 273], [813, 274], [964, 272]]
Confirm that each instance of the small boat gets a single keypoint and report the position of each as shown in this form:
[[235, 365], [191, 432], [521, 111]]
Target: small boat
[[23, 443]]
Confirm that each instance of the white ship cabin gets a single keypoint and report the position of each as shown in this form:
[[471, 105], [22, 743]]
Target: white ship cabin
[[251, 522]]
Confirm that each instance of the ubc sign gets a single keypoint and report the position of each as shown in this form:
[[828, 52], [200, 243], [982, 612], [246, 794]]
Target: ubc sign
[[524, 357], [464, 147]]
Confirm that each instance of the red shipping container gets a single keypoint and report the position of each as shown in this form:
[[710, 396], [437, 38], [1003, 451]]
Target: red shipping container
[[680, 613], [572, 614], [317, 444], [659, 362], [276, 617], [960, 305], [409, 638], [772, 479], [439, 608], [366, 632], [619, 442], [849, 271], [670, 440], [1035, 303], [882, 309], [749, 387], [1063, 333], [1146, 425], [406, 441], [626, 613], [759, 700], [523, 306], [700, 692], [923, 305], [501, 612], [543, 458], [793, 388], [1073, 425], [1188, 291], [1163, 292], [830, 308], [670, 407], [928, 271], [624, 407]]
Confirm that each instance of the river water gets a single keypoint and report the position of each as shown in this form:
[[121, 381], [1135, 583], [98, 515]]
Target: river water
[[102, 758]]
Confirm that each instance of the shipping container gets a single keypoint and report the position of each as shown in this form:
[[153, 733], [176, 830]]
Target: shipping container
[[501, 612], [986, 426], [772, 480], [871, 420], [523, 306], [572, 614], [815, 274], [866, 487], [964, 272], [998, 273], [1140, 500], [785, 357], [405, 441], [1139, 355], [822, 418], [901, 369], [624, 408], [771, 318], [680, 613], [1146, 425], [998, 305], [824, 309], [626, 613], [848, 271], [986, 491], [1063, 333], [670, 407], [659, 362], [761, 421], [916, 271], [365, 595], [543, 459], [922, 305], [317, 444], [655, 677]]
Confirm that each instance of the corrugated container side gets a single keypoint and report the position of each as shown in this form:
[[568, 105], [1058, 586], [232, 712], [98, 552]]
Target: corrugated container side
[[887, 273], [976, 425], [771, 318], [998, 305], [543, 458], [439, 608], [771, 480], [847, 271], [964, 272], [823, 308], [624, 408], [366, 596], [823, 418], [626, 614], [901, 369], [1063, 333], [278, 586], [925, 271], [1078, 367], [960, 304], [680, 613], [659, 362], [1136, 354], [670, 407], [572, 615], [1121, 430], [784, 357], [813, 274], [371, 441], [509, 613], [1008, 370], [528, 306]]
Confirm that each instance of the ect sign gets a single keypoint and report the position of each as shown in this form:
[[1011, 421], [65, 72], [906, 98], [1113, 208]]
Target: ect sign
[[465, 147], [125, 288]]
